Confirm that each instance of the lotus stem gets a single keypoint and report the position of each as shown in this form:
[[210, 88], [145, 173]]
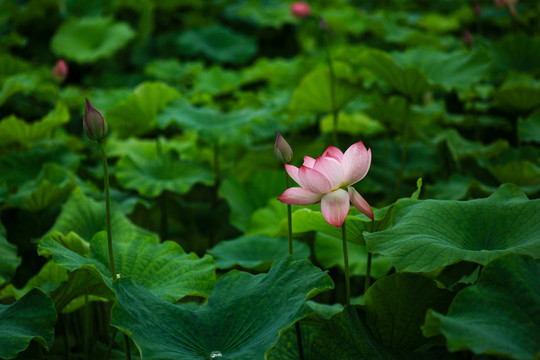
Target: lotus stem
[[108, 208], [346, 261], [111, 342], [367, 282], [127, 350]]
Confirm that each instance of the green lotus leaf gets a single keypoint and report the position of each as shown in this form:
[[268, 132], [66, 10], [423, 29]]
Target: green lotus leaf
[[255, 252], [287, 346], [86, 217], [242, 320], [11, 65], [347, 336], [396, 306], [313, 94], [429, 234], [239, 127], [519, 94], [450, 70], [244, 197], [500, 315], [137, 114], [517, 52], [18, 168], [13, 129], [32, 317], [518, 172], [216, 81], [265, 14], [437, 23], [329, 253], [268, 220], [47, 279], [9, 261], [353, 124], [52, 184], [409, 81], [458, 187], [276, 72], [529, 128], [151, 177], [172, 70], [164, 269], [22, 82], [218, 43], [89, 39]]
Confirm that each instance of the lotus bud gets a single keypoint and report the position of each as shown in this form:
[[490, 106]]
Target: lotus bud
[[59, 71], [477, 10], [467, 38], [94, 123], [300, 9], [282, 150]]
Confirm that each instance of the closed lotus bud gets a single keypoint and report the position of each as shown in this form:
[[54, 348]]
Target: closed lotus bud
[[94, 123], [467, 39], [282, 150], [59, 71], [300, 9]]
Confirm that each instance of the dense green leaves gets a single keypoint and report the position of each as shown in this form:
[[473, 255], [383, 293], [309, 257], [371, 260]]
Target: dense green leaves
[[164, 269], [9, 261], [429, 234], [242, 320], [89, 39], [30, 318], [499, 315]]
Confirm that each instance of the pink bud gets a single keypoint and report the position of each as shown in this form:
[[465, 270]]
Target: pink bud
[[477, 10], [467, 38], [282, 150], [94, 123], [59, 71], [300, 9], [500, 3]]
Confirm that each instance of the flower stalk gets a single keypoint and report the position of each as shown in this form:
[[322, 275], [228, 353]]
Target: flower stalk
[[346, 262], [108, 208]]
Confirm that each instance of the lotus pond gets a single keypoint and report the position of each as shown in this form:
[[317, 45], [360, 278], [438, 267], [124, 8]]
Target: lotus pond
[[268, 179]]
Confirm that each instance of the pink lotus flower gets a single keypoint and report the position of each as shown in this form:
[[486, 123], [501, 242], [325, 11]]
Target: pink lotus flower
[[324, 180], [300, 9], [60, 70]]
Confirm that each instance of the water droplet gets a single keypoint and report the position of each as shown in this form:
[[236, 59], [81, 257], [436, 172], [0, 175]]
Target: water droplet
[[215, 354]]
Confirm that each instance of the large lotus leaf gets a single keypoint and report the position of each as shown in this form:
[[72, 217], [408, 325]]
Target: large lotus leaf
[[151, 177], [13, 129], [276, 72], [518, 172], [242, 320], [429, 234], [52, 184], [137, 114], [500, 315], [451, 70], [410, 81], [89, 39], [218, 43], [353, 124], [529, 128], [11, 65], [86, 217], [439, 23], [235, 127], [172, 70], [269, 220], [517, 52], [329, 253], [244, 197], [164, 269], [267, 13], [313, 94], [18, 168], [396, 306], [9, 261], [47, 279], [216, 81], [255, 252], [32, 317], [347, 336], [518, 94], [22, 82], [458, 187]]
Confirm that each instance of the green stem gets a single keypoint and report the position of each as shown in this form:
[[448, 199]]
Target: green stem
[[111, 342], [289, 222], [107, 208], [127, 350], [367, 282], [346, 261], [335, 112], [86, 343]]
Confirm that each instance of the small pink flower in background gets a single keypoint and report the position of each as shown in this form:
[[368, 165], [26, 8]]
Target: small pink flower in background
[[477, 10], [467, 38], [59, 71], [300, 9], [500, 3], [324, 179], [282, 150]]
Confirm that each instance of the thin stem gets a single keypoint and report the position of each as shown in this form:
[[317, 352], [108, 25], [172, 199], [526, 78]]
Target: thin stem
[[111, 342], [335, 112], [289, 222], [346, 260], [86, 344], [367, 282], [127, 350], [67, 343], [107, 208], [289, 218]]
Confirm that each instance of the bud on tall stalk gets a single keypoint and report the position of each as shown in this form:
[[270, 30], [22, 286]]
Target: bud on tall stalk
[[282, 150], [94, 123]]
